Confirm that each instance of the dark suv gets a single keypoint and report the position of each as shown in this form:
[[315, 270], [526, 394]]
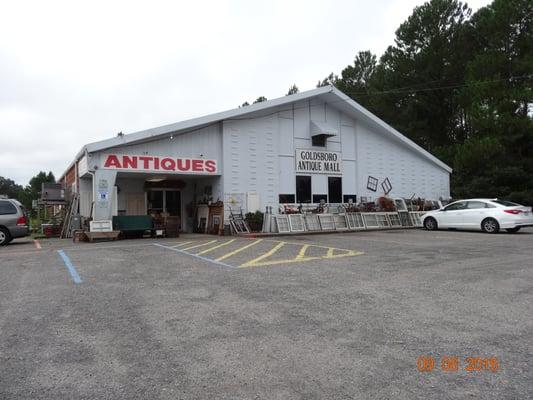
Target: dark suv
[[13, 221]]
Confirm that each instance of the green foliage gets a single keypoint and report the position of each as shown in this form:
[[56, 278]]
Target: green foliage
[[255, 220], [293, 90], [37, 181], [25, 194], [355, 79], [254, 217], [460, 85], [10, 188], [331, 79], [260, 99]]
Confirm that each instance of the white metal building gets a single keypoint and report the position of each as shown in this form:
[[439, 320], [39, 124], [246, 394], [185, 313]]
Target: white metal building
[[301, 148]]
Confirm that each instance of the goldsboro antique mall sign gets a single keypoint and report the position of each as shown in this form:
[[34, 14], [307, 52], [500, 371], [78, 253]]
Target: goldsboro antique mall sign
[[318, 162]]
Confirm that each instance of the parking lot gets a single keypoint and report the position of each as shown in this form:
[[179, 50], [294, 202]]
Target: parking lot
[[338, 316]]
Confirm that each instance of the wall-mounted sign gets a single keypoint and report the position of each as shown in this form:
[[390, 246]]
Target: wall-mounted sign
[[162, 164], [318, 162]]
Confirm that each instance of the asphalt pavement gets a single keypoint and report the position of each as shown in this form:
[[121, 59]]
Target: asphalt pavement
[[398, 314]]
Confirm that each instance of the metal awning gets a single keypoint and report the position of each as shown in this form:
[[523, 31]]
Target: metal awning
[[322, 129]]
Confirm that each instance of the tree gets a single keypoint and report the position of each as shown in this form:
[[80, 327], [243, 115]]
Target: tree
[[260, 99], [460, 85], [355, 79], [9, 188], [500, 92], [37, 181], [244, 104], [33, 190], [331, 79], [293, 90], [416, 77]]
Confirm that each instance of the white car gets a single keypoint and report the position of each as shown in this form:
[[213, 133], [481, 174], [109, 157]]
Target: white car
[[488, 215]]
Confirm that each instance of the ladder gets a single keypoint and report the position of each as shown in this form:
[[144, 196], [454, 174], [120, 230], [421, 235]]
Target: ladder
[[66, 230]]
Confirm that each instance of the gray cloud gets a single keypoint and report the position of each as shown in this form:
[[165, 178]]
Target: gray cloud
[[72, 74]]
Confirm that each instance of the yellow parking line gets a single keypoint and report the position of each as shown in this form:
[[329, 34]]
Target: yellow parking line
[[200, 245], [299, 244], [262, 257], [238, 250], [182, 244], [216, 247], [301, 257], [299, 260], [301, 254]]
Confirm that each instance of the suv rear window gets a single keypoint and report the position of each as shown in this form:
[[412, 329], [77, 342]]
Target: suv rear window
[[7, 208], [505, 203]]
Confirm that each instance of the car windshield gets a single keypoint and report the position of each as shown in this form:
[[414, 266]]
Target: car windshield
[[505, 203]]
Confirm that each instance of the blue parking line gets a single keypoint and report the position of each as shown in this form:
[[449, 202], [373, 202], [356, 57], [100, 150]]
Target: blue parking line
[[218, 263], [75, 277]]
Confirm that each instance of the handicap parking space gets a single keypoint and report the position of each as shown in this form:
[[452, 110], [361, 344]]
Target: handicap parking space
[[257, 252]]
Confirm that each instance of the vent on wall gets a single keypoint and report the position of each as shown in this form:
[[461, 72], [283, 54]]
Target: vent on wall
[[320, 131]]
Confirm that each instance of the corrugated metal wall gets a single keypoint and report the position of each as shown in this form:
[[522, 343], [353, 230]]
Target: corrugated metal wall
[[259, 156]]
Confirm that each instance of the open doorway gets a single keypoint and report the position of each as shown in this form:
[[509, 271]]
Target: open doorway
[[164, 201]]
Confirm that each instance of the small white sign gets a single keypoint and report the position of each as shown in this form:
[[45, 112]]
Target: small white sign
[[318, 162]]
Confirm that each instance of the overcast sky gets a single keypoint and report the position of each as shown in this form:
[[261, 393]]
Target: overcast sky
[[76, 72]]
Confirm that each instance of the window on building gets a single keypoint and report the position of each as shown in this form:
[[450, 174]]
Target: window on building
[[335, 189], [164, 200], [155, 200], [173, 202], [318, 197], [303, 189], [319, 140], [286, 198], [346, 198]]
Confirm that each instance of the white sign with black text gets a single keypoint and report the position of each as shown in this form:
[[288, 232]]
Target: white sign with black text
[[318, 162]]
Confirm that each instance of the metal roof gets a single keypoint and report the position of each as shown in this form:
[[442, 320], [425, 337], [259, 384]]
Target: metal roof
[[329, 94]]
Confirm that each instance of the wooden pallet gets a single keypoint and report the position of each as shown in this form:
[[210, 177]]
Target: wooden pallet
[[91, 236]]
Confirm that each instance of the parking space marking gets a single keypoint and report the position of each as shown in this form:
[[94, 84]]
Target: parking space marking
[[301, 253], [216, 262], [216, 247], [297, 252], [301, 257], [73, 273], [256, 260], [183, 243], [232, 253], [199, 245]]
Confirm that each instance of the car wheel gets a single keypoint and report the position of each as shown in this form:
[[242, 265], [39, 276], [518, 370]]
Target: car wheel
[[430, 224], [490, 225], [513, 230], [5, 237]]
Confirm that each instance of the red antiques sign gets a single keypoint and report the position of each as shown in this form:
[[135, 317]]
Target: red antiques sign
[[126, 162]]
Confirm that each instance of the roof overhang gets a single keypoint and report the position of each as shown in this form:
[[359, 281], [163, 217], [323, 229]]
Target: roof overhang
[[328, 94]]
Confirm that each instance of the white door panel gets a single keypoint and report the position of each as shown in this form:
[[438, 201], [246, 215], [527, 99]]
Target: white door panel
[[473, 218], [476, 212], [453, 215]]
